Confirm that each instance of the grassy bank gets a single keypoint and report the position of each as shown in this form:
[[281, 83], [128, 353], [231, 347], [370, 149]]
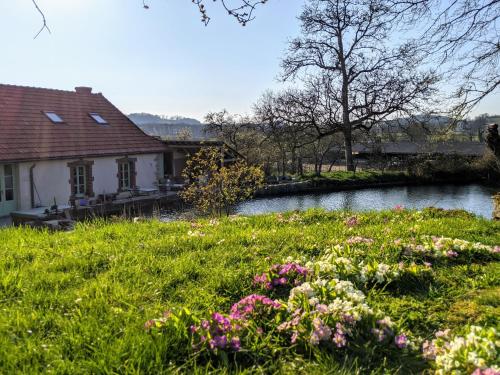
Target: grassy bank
[[369, 176], [77, 302]]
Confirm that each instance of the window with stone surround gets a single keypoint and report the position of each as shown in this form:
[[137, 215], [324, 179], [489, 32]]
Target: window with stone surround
[[126, 173], [81, 179]]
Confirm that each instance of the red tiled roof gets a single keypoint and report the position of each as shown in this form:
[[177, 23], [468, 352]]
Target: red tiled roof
[[27, 134]]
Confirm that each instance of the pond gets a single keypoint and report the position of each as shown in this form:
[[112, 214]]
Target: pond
[[473, 198]]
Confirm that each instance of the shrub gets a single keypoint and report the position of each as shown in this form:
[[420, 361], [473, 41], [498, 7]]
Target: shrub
[[215, 188]]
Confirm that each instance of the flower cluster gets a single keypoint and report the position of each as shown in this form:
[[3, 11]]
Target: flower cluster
[[324, 311], [223, 332], [359, 240], [253, 305], [218, 332], [321, 304], [376, 272], [293, 218], [288, 274], [444, 247], [331, 264], [475, 353]]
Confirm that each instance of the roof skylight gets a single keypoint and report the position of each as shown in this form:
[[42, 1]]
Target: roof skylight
[[98, 118], [54, 117]]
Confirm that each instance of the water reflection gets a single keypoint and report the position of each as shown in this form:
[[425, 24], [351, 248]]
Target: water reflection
[[473, 198]]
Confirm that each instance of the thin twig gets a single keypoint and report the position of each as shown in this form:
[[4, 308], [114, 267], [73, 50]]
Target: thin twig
[[44, 20]]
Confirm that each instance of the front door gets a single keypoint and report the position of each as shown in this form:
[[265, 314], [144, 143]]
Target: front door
[[8, 199]]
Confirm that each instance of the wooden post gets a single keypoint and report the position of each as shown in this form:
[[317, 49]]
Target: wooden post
[[496, 206]]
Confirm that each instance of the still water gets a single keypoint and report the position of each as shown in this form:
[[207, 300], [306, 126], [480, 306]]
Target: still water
[[473, 198]]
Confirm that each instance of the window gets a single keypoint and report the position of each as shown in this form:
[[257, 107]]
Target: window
[[126, 173], [54, 117], [9, 182], [98, 118], [124, 176], [79, 182], [81, 179]]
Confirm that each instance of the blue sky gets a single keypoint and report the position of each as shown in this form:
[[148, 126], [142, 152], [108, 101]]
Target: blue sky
[[162, 60]]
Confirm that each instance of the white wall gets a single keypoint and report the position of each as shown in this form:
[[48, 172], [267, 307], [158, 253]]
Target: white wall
[[51, 178]]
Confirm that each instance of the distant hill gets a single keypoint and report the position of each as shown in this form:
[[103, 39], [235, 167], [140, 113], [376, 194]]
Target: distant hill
[[169, 127]]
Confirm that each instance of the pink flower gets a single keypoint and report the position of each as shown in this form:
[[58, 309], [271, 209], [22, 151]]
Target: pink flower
[[443, 334], [252, 304], [235, 343], [295, 335], [352, 221], [401, 341], [219, 341], [314, 339], [379, 334], [428, 264], [348, 318], [490, 371], [322, 308], [259, 279], [398, 207], [428, 350], [339, 340], [451, 254]]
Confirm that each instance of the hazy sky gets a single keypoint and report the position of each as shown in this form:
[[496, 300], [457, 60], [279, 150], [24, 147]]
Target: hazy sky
[[162, 60]]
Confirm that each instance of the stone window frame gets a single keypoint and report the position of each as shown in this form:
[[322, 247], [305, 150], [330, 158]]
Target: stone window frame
[[89, 178], [133, 172]]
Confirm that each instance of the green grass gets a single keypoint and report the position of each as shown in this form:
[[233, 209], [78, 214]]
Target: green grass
[[367, 176], [76, 302]]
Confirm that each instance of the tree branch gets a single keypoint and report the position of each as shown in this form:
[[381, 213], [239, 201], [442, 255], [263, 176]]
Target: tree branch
[[44, 20]]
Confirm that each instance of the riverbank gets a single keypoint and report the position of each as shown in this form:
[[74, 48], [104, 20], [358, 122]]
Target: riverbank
[[343, 181], [78, 302]]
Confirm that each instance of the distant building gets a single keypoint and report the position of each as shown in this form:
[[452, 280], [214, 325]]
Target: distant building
[[178, 151], [408, 148], [64, 145]]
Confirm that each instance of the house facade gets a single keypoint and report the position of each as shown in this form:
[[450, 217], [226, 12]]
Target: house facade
[[60, 146]]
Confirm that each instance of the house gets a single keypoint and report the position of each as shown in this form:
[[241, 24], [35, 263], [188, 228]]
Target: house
[[60, 146]]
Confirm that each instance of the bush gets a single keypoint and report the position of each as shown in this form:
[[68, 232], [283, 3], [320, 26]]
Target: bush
[[215, 188]]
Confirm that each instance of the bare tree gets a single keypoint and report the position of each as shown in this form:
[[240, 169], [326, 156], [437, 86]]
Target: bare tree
[[465, 39], [299, 119], [242, 10], [241, 133], [475, 127], [346, 44]]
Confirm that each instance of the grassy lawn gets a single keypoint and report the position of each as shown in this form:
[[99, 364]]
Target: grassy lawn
[[78, 302]]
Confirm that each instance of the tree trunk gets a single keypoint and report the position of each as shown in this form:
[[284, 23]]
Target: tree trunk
[[283, 161], [294, 161], [347, 130], [349, 161]]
